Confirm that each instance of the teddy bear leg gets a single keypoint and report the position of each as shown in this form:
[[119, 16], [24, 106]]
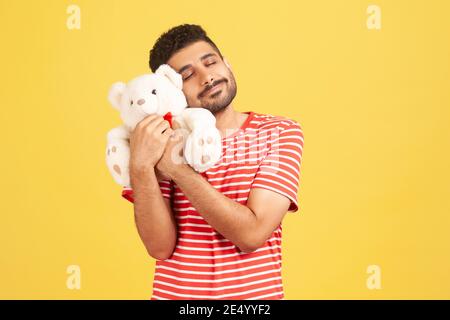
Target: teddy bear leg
[[117, 160]]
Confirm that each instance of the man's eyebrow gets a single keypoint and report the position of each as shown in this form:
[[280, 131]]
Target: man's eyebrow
[[205, 56]]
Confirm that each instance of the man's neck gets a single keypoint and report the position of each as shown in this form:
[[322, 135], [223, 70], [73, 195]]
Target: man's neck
[[229, 120]]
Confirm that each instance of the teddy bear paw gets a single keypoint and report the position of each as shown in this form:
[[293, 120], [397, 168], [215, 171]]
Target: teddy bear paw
[[203, 148]]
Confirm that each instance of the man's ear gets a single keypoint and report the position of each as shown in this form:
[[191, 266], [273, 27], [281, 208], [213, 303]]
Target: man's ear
[[171, 74], [115, 94]]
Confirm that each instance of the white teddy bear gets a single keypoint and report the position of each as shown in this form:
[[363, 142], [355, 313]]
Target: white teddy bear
[[160, 93]]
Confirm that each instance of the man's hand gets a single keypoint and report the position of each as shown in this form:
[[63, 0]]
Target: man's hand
[[172, 158], [154, 218], [147, 142]]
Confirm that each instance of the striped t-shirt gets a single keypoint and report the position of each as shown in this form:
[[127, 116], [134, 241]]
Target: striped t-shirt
[[266, 153]]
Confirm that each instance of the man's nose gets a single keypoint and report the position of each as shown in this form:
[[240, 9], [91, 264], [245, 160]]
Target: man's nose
[[206, 78], [141, 102]]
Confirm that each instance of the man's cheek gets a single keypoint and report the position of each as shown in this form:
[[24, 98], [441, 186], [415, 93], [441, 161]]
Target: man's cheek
[[193, 102], [188, 95]]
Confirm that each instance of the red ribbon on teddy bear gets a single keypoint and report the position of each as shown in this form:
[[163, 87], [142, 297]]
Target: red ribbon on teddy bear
[[168, 117]]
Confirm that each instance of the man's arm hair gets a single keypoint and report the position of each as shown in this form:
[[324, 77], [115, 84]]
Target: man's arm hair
[[246, 226], [154, 219]]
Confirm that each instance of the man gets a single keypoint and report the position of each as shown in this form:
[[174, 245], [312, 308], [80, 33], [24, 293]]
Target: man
[[215, 235]]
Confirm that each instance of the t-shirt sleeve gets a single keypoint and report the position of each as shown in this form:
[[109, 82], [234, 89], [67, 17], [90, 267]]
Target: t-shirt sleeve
[[164, 185], [279, 171]]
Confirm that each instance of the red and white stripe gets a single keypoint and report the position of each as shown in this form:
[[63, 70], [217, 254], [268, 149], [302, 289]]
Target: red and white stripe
[[265, 153]]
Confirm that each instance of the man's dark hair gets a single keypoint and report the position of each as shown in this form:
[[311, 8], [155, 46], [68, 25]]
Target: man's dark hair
[[176, 39]]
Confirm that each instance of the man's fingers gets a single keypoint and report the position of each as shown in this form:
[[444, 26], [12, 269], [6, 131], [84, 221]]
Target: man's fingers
[[175, 125], [169, 131], [165, 136], [155, 121], [152, 126], [163, 125], [176, 136], [148, 120]]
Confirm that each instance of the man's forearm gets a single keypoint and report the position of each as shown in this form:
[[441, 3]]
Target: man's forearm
[[154, 219], [234, 221]]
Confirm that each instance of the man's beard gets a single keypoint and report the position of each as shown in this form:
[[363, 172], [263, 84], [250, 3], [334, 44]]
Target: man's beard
[[222, 98]]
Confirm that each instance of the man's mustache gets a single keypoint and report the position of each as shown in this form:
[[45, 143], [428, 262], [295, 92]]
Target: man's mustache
[[207, 88]]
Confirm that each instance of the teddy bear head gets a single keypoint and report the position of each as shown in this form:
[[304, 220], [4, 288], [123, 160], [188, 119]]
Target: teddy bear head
[[159, 92]]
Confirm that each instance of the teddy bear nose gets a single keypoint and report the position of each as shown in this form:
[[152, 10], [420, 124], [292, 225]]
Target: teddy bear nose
[[140, 102]]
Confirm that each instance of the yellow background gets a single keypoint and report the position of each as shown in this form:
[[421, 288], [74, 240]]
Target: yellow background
[[374, 106]]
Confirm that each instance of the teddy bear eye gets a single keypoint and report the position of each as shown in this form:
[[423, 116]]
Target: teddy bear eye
[[154, 91], [131, 102]]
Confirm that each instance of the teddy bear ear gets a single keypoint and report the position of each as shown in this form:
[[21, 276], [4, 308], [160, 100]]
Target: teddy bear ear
[[169, 72], [115, 94]]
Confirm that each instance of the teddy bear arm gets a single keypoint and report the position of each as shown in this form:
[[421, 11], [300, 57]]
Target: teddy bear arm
[[195, 118]]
